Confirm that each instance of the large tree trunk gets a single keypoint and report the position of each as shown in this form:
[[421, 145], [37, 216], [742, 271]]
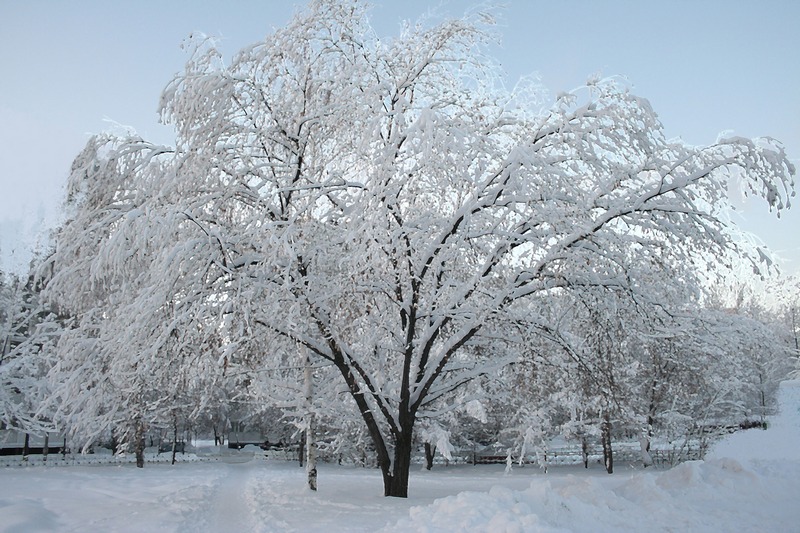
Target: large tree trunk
[[46, 448], [381, 450], [605, 438], [396, 484], [395, 469]]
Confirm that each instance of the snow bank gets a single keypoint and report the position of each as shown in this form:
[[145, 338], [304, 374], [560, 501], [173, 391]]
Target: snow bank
[[749, 482], [699, 496], [501, 509]]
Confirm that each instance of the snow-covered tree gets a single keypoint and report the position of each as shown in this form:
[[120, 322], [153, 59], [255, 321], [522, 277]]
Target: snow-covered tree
[[138, 348], [28, 335], [16, 325], [789, 311], [382, 203]]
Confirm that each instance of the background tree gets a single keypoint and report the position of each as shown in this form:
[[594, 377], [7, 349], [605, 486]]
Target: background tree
[[28, 334]]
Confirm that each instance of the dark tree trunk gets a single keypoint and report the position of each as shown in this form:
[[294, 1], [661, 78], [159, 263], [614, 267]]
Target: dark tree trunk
[[396, 482], [647, 459], [174, 441], [46, 448], [430, 451], [301, 450], [390, 487], [395, 468], [26, 447], [605, 438], [138, 444], [585, 452]]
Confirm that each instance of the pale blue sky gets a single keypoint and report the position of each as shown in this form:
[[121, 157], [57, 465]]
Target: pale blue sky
[[706, 66]]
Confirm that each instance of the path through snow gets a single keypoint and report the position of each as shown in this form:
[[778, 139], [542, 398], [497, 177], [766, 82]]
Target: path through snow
[[230, 503], [229, 507]]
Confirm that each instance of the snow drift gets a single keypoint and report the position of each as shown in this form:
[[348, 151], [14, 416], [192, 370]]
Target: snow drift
[[749, 482]]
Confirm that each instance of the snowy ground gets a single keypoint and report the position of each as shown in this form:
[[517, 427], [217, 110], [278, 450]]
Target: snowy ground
[[750, 482]]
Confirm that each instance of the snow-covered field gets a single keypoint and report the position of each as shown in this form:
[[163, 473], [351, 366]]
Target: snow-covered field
[[750, 482]]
